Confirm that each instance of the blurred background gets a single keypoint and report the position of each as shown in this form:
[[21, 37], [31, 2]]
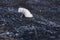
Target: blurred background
[[45, 25]]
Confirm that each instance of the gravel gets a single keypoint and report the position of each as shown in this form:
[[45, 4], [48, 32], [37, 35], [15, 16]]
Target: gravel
[[45, 25]]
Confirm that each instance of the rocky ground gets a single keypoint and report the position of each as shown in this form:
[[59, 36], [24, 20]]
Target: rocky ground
[[45, 25]]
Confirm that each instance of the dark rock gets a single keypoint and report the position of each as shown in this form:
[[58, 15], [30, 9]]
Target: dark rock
[[44, 26], [11, 2]]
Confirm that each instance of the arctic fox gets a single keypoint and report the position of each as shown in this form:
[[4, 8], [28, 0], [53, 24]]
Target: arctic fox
[[25, 11]]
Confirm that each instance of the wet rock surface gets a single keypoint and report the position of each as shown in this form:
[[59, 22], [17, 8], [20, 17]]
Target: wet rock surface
[[45, 25]]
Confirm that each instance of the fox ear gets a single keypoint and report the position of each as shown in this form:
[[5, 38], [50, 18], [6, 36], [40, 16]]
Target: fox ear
[[25, 11]]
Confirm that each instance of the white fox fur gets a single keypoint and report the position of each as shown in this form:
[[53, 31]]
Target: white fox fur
[[25, 11]]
